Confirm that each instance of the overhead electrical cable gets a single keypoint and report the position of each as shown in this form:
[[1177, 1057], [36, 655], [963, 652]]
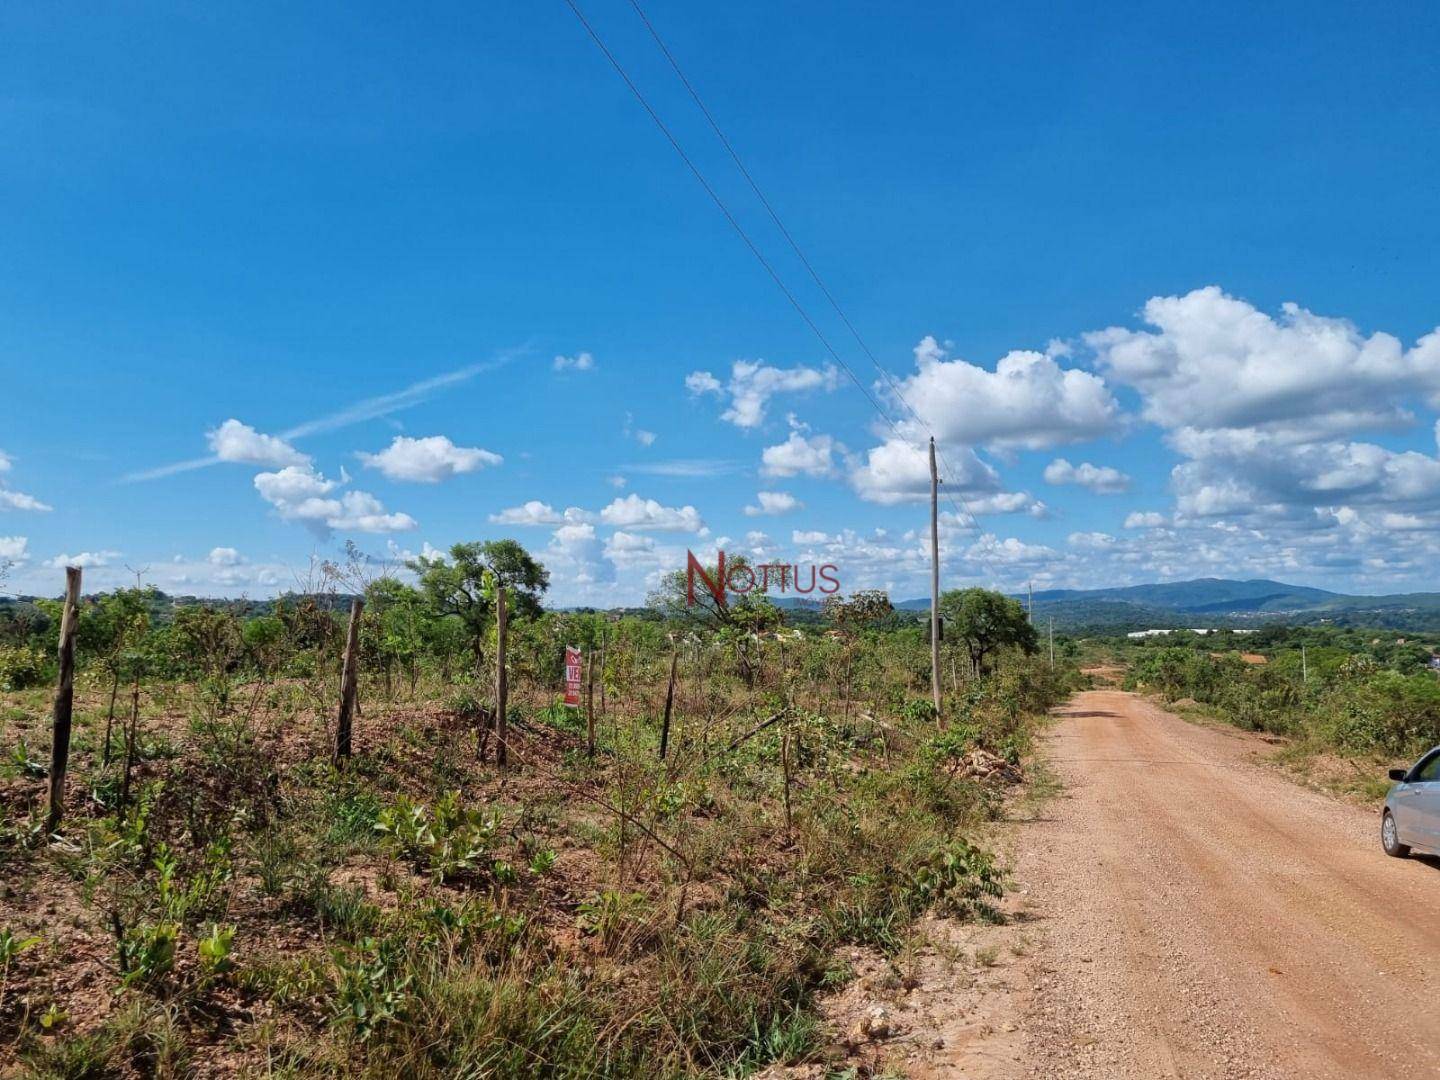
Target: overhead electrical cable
[[962, 511], [794, 246]]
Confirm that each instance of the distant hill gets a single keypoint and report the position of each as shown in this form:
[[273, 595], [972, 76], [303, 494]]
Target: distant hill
[[1203, 602], [1221, 602]]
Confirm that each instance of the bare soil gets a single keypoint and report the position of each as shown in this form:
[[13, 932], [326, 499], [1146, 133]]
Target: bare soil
[[1202, 916], [1180, 909]]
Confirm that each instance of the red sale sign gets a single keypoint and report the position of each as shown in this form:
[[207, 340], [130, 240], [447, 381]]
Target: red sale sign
[[573, 664]]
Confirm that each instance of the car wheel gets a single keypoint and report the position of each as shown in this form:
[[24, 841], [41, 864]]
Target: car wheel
[[1390, 837]]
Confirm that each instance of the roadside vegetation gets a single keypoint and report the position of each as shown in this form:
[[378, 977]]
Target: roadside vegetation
[[624, 898], [1367, 696]]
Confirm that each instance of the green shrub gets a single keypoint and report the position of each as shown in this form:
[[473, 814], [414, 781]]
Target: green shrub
[[452, 840], [147, 953], [959, 879], [22, 668]]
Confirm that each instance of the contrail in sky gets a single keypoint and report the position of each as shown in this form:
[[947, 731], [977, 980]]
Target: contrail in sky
[[368, 409]]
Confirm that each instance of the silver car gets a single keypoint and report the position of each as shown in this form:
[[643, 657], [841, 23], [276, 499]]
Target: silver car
[[1411, 818]]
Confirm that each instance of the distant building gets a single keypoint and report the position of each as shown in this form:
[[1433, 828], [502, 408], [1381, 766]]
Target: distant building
[[1192, 630]]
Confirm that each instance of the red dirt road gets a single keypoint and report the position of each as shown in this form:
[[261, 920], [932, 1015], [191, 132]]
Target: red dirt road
[[1203, 916]]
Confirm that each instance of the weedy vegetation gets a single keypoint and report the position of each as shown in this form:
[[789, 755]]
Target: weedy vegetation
[[1358, 699], [226, 895]]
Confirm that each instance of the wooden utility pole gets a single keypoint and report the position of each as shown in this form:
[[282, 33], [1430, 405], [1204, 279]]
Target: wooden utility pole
[[502, 687], [1052, 642], [669, 704], [64, 700], [349, 680], [1304, 665], [934, 580], [1030, 603]]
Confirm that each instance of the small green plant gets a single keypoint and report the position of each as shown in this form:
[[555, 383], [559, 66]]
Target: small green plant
[[542, 862], [354, 815], [216, 950], [948, 748], [465, 703], [25, 765], [987, 956], [608, 914], [370, 990], [918, 711], [450, 841], [133, 829], [11, 947], [204, 894], [959, 879], [147, 953], [788, 1038]]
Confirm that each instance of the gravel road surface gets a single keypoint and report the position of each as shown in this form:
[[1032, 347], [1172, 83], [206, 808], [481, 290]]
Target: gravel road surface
[[1203, 916]]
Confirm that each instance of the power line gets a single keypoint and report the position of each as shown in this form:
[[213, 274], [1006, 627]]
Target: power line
[[725, 210], [794, 246], [750, 244]]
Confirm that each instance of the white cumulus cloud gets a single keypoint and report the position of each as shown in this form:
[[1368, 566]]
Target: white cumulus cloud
[[898, 471], [633, 512], [11, 499], [536, 512], [241, 443], [579, 362], [1146, 519], [1101, 479], [1028, 401], [1213, 361], [802, 455], [753, 383], [18, 500], [300, 494], [86, 560], [428, 460], [773, 502]]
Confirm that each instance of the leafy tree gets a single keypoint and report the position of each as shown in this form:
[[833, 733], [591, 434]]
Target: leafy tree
[[737, 623], [113, 629], [861, 611], [463, 586], [863, 608], [749, 611], [207, 638], [394, 627], [987, 622]]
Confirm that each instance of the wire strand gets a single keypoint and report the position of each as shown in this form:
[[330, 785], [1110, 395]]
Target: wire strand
[[962, 510], [800, 254]]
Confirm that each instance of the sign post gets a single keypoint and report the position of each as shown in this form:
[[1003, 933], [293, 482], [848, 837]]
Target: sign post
[[573, 664]]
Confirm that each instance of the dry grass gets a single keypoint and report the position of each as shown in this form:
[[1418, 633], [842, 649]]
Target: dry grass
[[621, 915]]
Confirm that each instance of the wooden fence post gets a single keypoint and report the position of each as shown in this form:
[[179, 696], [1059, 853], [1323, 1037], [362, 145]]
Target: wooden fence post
[[669, 704], [590, 705], [602, 667], [785, 765], [349, 679], [502, 688], [64, 700]]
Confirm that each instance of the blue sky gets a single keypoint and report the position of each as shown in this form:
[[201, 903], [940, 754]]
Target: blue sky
[[356, 225]]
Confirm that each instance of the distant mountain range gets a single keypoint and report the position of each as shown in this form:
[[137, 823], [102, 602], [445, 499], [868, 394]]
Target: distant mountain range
[[1203, 602], [1219, 602]]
